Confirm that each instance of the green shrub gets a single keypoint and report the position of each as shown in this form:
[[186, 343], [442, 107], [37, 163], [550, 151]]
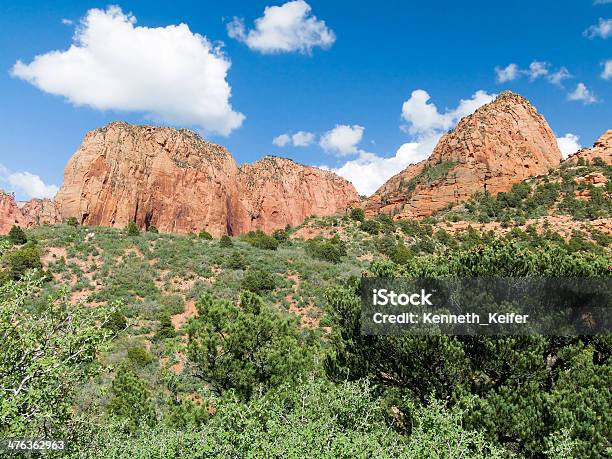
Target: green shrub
[[116, 322], [261, 240], [247, 347], [17, 236], [358, 214], [72, 221], [131, 400], [331, 250], [21, 260], [165, 329], [205, 235], [152, 229], [226, 241], [132, 229], [281, 235], [258, 281], [370, 226], [235, 260], [139, 356]]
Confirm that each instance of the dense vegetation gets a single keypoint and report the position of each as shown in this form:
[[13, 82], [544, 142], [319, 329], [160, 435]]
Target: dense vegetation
[[558, 193], [138, 344]]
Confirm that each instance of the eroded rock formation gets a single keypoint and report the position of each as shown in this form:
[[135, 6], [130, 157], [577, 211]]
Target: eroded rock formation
[[602, 148], [178, 182], [35, 211], [500, 144]]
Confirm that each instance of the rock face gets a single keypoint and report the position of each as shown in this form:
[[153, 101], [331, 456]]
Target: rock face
[[602, 148], [180, 183], [500, 144], [275, 192], [35, 211], [41, 211], [10, 214]]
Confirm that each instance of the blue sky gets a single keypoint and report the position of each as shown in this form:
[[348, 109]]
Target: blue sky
[[372, 69]]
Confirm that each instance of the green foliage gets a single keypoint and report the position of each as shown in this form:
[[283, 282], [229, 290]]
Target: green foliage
[[370, 226], [357, 214], [331, 250], [235, 260], [139, 356], [17, 235], [132, 229], [225, 241], [258, 281], [152, 229], [130, 400], [205, 235], [116, 322], [315, 419], [72, 221], [541, 385], [19, 261], [44, 355], [247, 347], [281, 235], [261, 240], [165, 329]]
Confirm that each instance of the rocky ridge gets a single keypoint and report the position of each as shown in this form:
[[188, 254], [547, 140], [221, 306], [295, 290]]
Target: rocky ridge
[[178, 182], [500, 144], [602, 148]]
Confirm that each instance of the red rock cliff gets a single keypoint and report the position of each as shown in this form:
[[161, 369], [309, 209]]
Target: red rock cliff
[[602, 148], [178, 182], [500, 144]]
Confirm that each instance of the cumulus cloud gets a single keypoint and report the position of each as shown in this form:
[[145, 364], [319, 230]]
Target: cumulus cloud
[[283, 29], [281, 140], [537, 69], [299, 139], [606, 74], [369, 171], [582, 93], [26, 183], [568, 144], [423, 117], [508, 73], [168, 73], [603, 29], [557, 77], [342, 140]]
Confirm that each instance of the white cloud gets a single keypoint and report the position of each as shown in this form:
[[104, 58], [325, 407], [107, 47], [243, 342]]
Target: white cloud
[[582, 93], [369, 171], [603, 29], [68, 22], [299, 139], [508, 73], [283, 29], [606, 74], [281, 140], [601, 2], [568, 144], [342, 140], [557, 77], [302, 138], [26, 183], [423, 117], [537, 69], [170, 73]]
